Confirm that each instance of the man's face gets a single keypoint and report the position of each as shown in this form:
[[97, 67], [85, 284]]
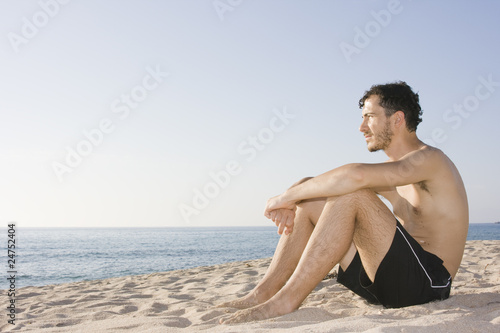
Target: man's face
[[375, 125]]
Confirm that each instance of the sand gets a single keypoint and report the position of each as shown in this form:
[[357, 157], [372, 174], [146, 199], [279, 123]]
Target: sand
[[183, 301]]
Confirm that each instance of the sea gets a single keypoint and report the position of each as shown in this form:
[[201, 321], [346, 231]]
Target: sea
[[46, 256]]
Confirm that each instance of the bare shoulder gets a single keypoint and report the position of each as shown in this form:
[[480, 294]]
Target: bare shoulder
[[437, 157], [444, 174], [427, 153], [432, 158]]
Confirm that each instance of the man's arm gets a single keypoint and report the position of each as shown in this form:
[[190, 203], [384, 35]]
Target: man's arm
[[284, 218], [417, 166]]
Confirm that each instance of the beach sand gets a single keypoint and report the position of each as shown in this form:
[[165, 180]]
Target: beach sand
[[184, 300]]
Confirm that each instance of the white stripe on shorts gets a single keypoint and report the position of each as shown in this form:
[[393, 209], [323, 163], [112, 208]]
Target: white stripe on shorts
[[425, 271]]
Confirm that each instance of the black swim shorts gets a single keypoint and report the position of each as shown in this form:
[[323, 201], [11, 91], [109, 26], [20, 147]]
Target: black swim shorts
[[408, 275]]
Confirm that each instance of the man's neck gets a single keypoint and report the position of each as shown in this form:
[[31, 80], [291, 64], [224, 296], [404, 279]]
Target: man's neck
[[402, 145]]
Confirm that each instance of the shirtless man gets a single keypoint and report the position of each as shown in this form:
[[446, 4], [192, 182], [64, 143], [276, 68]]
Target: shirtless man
[[400, 258]]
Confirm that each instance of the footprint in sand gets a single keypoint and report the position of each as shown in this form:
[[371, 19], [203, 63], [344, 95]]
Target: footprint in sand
[[140, 296], [212, 314], [103, 315], [178, 322], [179, 312], [182, 297], [159, 307], [128, 309], [194, 281], [129, 285]]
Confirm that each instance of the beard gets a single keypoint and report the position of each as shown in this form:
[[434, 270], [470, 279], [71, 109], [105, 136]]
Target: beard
[[382, 140]]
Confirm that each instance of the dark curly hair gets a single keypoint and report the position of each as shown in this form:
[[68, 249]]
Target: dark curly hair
[[397, 96]]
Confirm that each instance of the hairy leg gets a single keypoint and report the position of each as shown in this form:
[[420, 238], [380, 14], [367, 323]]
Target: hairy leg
[[360, 217], [286, 256]]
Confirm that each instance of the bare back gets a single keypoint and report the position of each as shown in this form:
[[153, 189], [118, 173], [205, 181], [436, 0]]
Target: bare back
[[435, 211]]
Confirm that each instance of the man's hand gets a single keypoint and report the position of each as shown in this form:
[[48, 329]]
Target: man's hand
[[282, 213], [283, 218], [278, 202]]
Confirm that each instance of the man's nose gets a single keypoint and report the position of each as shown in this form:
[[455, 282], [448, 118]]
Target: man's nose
[[363, 127]]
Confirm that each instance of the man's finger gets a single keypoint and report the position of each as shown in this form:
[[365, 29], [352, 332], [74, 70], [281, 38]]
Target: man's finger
[[279, 215], [272, 215], [281, 228], [289, 225]]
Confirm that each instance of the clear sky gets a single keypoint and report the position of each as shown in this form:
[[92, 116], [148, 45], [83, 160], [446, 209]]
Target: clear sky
[[131, 113]]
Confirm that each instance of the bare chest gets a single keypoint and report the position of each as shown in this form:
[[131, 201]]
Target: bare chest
[[412, 203]]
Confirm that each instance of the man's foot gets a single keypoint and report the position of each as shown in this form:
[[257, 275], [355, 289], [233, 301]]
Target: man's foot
[[259, 312], [245, 302]]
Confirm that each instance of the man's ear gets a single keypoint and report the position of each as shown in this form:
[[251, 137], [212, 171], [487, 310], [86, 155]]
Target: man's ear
[[399, 119]]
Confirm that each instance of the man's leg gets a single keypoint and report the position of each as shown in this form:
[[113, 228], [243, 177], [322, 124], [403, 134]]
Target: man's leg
[[286, 256], [360, 217]]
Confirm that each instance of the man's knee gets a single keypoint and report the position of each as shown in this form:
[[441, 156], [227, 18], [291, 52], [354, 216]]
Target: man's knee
[[311, 208], [303, 180]]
